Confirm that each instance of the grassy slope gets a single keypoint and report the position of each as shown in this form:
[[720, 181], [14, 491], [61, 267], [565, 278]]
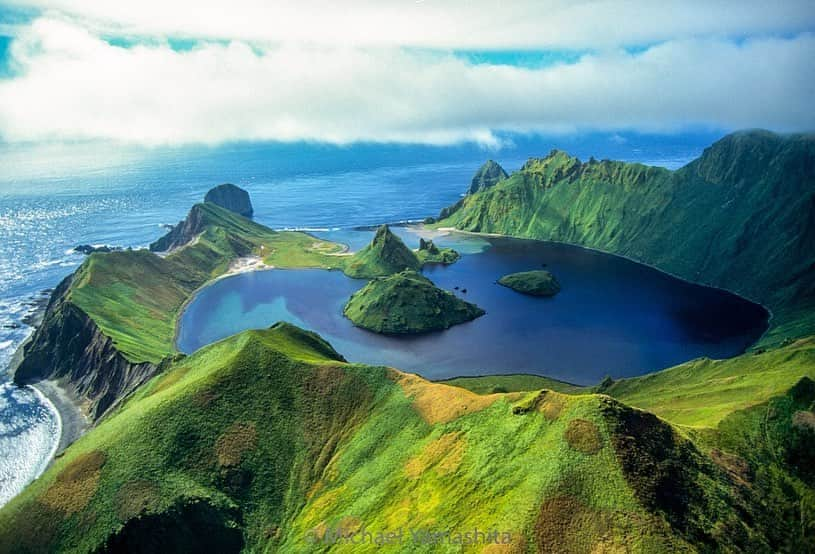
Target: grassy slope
[[702, 392], [135, 296], [748, 198], [519, 382], [386, 254], [246, 421], [699, 394], [270, 434], [407, 302]]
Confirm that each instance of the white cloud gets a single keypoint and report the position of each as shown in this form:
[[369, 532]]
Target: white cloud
[[477, 24], [71, 85]]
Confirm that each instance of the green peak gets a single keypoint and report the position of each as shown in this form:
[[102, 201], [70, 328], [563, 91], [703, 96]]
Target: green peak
[[386, 254], [738, 157], [488, 175]]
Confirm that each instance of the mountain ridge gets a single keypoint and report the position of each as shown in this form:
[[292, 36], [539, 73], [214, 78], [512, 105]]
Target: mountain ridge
[[705, 222]]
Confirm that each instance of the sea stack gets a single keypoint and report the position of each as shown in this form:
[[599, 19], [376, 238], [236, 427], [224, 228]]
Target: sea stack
[[232, 198]]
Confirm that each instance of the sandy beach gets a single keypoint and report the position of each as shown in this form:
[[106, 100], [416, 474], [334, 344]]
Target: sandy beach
[[74, 422]]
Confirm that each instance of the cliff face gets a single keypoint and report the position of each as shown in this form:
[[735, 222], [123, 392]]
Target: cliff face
[[232, 198], [183, 233], [68, 345]]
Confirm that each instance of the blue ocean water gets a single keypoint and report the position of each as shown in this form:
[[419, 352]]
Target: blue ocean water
[[55, 197]]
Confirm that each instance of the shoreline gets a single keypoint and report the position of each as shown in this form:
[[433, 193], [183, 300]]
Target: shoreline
[[73, 422]]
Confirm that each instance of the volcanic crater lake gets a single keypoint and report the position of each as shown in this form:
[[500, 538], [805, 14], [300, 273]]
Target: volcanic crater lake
[[612, 317]]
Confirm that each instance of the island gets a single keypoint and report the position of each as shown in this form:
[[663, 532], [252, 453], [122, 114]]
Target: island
[[538, 282], [407, 303]]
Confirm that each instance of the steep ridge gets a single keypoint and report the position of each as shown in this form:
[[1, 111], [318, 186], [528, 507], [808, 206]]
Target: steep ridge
[[70, 347], [111, 325], [269, 441], [740, 217], [488, 175]]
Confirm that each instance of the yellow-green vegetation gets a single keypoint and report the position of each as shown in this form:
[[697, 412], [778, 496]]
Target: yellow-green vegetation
[[269, 441], [739, 217], [135, 296], [538, 282], [407, 303]]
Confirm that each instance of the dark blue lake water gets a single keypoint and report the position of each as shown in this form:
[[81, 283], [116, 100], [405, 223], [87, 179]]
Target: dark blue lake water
[[613, 316]]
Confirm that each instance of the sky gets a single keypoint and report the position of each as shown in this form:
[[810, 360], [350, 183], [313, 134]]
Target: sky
[[163, 72]]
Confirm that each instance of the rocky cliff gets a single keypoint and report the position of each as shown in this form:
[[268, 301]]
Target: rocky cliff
[[232, 198], [70, 347], [183, 233]]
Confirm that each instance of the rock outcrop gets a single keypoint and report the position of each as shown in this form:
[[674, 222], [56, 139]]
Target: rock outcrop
[[89, 249], [183, 233], [429, 253], [233, 198]]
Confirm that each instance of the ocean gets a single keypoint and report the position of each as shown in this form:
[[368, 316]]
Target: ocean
[[56, 197]]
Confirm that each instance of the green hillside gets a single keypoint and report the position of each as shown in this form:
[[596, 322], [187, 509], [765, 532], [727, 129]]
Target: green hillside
[[386, 254], [739, 217], [407, 303], [135, 296], [268, 440]]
